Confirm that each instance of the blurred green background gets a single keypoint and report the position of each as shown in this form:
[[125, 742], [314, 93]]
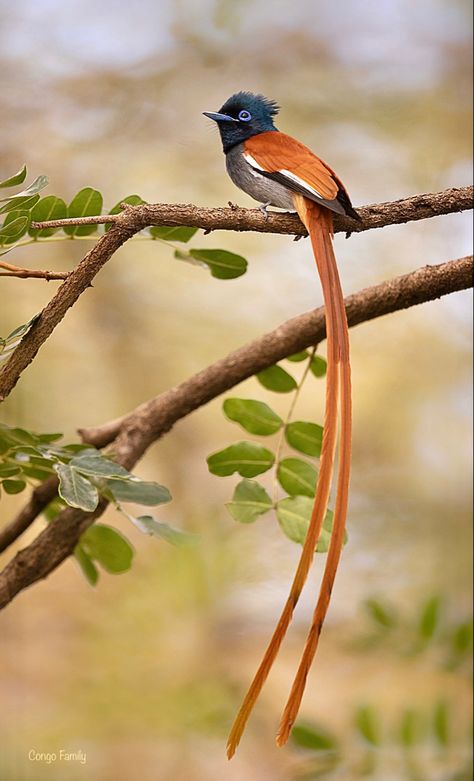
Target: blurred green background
[[145, 673]]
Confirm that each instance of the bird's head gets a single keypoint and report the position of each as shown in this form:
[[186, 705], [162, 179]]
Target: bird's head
[[242, 116]]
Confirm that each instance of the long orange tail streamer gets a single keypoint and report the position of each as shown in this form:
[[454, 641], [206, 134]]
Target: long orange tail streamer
[[318, 222], [342, 494]]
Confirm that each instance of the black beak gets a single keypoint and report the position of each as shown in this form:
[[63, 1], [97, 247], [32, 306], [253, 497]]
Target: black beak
[[219, 117]]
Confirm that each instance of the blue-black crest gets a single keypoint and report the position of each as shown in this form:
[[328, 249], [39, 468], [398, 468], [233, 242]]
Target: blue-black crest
[[258, 105], [242, 116]]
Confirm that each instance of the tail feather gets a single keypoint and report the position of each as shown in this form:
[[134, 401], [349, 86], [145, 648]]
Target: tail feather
[[319, 227], [340, 510]]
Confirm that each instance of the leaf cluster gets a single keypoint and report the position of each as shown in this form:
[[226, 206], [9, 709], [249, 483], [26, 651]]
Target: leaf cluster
[[296, 476], [22, 208], [85, 476], [419, 737], [429, 629], [412, 736]]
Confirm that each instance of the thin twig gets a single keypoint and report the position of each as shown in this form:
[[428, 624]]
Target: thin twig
[[30, 273], [287, 420]]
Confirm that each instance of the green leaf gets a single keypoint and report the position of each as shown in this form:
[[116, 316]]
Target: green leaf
[[326, 533], [276, 379], [254, 416], [21, 330], [305, 437], [307, 735], [70, 450], [37, 472], [43, 461], [294, 513], [462, 638], [297, 357], [49, 208], [87, 203], [48, 438], [441, 723], [19, 436], [222, 264], [247, 458], [297, 477], [164, 531], [133, 200], [96, 465], [429, 618], [76, 490], [8, 470], [17, 178], [382, 614], [138, 491], [249, 501], [14, 226], [366, 722], [318, 366], [173, 233], [107, 546], [39, 183], [410, 728], [13, 486], [26, 203], [89, 570]]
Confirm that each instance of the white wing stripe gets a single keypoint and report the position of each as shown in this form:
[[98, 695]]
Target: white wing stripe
[[299, 181], [253, 163]]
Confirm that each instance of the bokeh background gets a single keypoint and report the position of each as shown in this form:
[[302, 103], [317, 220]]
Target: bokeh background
[[145, 672]]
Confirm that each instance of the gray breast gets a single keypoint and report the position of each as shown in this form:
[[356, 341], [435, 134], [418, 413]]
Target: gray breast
[[254, 184]]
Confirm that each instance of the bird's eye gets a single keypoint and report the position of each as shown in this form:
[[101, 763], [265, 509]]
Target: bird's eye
[[245, 116]]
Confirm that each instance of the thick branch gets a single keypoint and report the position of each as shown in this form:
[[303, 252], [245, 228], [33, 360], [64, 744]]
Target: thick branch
[[159, 414], [39, 499], [417, 207], [151, 420], [134, 218]]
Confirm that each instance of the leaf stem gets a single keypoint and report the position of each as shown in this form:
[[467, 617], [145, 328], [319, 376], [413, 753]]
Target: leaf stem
[[286, 422]]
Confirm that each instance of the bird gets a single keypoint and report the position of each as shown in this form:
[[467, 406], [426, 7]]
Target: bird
[[277, 170]]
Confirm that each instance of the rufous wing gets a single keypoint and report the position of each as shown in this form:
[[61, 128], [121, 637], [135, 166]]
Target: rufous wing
[[287, 161]]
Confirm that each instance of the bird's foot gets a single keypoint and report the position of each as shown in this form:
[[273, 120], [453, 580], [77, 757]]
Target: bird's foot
[[264, 208], [233, 205]]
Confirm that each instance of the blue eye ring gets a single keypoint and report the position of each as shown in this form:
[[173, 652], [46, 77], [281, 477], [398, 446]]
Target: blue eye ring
[[245, 116]]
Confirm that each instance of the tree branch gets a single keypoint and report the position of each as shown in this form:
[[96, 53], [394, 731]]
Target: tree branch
[[417, 207], [30, 273], [158, 414], [42, 495], [135, 218], [136, 431]]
